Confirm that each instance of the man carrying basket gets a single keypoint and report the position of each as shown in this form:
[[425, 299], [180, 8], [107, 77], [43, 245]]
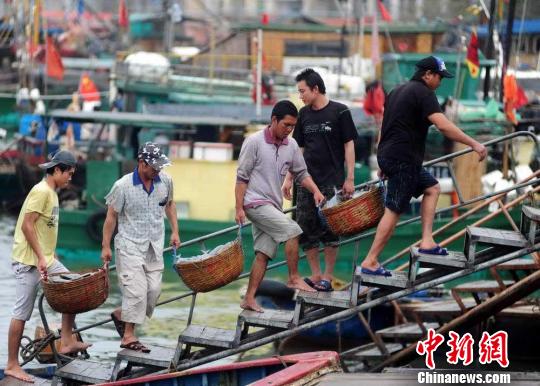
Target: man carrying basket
[[325, 132], [33, 257], [264, 161], [410, 110], [138, 202]]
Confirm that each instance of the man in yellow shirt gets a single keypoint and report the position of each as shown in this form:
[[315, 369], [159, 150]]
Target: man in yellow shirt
[[33, 256]]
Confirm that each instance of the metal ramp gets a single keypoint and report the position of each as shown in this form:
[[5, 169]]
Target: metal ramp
[[316, 308]]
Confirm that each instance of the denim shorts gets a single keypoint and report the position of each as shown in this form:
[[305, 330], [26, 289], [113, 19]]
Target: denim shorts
[[314, 233], [405, 181]]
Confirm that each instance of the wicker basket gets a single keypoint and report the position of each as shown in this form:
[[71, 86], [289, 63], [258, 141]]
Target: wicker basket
[[356, 215], [77, 296], [214, 271]]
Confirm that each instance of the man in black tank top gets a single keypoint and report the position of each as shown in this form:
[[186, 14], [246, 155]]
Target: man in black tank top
[[410, 110]]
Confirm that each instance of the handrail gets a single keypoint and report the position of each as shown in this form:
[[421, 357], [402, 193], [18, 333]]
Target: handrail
[[349, 240]]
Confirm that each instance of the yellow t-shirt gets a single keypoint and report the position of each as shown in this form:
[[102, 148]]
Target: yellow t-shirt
[[43, 200]]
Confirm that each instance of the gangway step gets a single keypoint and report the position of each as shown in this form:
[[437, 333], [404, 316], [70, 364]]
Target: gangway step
[[372, 351], [11, 381], [454, 260], [398, 279], [337, 299], [159, 356], [209, 337], [517, 264], [497, 237], [269, 318], [85, 371], [489, 286], [531, 212], [407, 332]]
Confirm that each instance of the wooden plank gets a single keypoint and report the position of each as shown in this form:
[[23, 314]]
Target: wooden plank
[[336, 299], [208, 336], [10, 381], [86, 371], [497, 237], [481, 286], [268, 318], [398, 279], [531, 212], [158, 357], [517, 264], [453, 259], [405, 331], [528, 311], [371, 351]]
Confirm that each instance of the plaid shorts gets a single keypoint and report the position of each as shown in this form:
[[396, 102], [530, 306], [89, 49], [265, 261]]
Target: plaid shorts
[[405, 181], [314, 233]]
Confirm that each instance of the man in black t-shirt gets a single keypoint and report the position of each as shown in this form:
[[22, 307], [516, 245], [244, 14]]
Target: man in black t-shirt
[[409, 111], [325, 131]]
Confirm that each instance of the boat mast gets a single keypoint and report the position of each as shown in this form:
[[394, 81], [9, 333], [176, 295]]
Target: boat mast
[[488, 48], [507, 43]]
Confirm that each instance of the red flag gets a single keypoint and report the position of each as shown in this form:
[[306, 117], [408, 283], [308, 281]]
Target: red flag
[[265, 19], [384, 12], [374, 100], [472, 55], [88, 89], [123, 18], [55, 68]]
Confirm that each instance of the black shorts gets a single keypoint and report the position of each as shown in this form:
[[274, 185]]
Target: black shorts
[[313, 232], [405, 181]]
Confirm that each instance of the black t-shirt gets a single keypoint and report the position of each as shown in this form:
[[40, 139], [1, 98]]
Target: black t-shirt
[[322, 133], [405, 122]]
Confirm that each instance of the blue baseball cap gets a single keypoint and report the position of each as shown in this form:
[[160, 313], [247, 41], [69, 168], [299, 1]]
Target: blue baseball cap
[[435, 64], [60, 157]]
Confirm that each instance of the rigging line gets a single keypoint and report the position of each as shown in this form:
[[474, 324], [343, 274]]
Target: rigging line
[[518, 48]]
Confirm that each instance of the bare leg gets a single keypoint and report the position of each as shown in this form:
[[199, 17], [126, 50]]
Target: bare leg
[[385, 229], [312, 256], [330, 257], [69, 344], [129, 334], [429, 205], [258, 270], [16, 329], [291, 253]]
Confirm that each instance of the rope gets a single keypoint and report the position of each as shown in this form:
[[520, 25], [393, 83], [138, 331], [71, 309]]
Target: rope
[[30, 350]]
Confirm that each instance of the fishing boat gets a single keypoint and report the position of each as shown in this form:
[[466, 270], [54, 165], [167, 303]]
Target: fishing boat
[[297, 369]]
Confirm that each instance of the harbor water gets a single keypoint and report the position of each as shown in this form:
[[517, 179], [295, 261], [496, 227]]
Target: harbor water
[[218, 308]]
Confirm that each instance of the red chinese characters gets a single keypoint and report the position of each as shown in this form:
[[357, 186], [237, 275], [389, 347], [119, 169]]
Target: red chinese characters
[[460, 348], [428, 346], [494, 348]]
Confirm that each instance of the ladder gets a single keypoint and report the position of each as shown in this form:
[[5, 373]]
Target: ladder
[[483, 248]]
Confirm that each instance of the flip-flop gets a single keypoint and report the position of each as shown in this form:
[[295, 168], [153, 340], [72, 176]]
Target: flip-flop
[[380, 271], [323, 286], [136, 346], [436, 250], [309, 282], [118, 324]]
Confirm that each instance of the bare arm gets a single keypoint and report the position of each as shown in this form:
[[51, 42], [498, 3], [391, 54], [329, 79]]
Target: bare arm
[[170, 212], [451, 131], [29, 232], [310, 185], [239, 193], [348, 186], [108, 229], [287, 183]]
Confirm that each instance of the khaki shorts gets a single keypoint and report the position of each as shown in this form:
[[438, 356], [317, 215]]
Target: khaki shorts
[[27, 278], [270, 227], [139, 276]]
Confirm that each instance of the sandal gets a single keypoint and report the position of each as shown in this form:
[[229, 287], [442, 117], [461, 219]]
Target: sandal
[[380, 271], [436, 250], [136, 346], [309, 282], [323, 286]]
